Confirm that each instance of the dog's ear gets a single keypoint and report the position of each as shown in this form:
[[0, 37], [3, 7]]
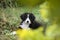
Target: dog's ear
[[23, 16], [32, 17]]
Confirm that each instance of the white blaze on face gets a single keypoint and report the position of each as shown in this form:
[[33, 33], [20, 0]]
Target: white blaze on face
[[28, 20]]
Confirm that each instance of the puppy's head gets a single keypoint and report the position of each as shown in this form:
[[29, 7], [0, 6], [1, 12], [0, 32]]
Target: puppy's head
[[27, 18]]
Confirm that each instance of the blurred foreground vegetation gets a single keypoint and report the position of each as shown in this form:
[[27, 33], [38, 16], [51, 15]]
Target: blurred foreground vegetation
[[46, 11]]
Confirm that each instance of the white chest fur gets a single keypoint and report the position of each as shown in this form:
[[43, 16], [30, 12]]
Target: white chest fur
[[24, 26]]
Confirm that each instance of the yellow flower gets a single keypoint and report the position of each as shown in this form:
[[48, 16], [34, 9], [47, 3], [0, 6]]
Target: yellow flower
[[24, 33]]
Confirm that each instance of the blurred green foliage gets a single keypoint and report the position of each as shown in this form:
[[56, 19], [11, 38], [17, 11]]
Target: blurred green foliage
[[29, 2]]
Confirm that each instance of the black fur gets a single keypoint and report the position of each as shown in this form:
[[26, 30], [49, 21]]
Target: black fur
[[34, 24]]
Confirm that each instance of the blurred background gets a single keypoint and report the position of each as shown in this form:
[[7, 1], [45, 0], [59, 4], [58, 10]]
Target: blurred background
[[46, 11]]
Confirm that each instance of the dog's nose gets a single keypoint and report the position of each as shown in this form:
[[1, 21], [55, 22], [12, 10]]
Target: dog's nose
[[27, 21]]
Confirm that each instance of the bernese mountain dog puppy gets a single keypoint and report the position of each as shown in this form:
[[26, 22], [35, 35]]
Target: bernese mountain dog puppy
[[29, 22]]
